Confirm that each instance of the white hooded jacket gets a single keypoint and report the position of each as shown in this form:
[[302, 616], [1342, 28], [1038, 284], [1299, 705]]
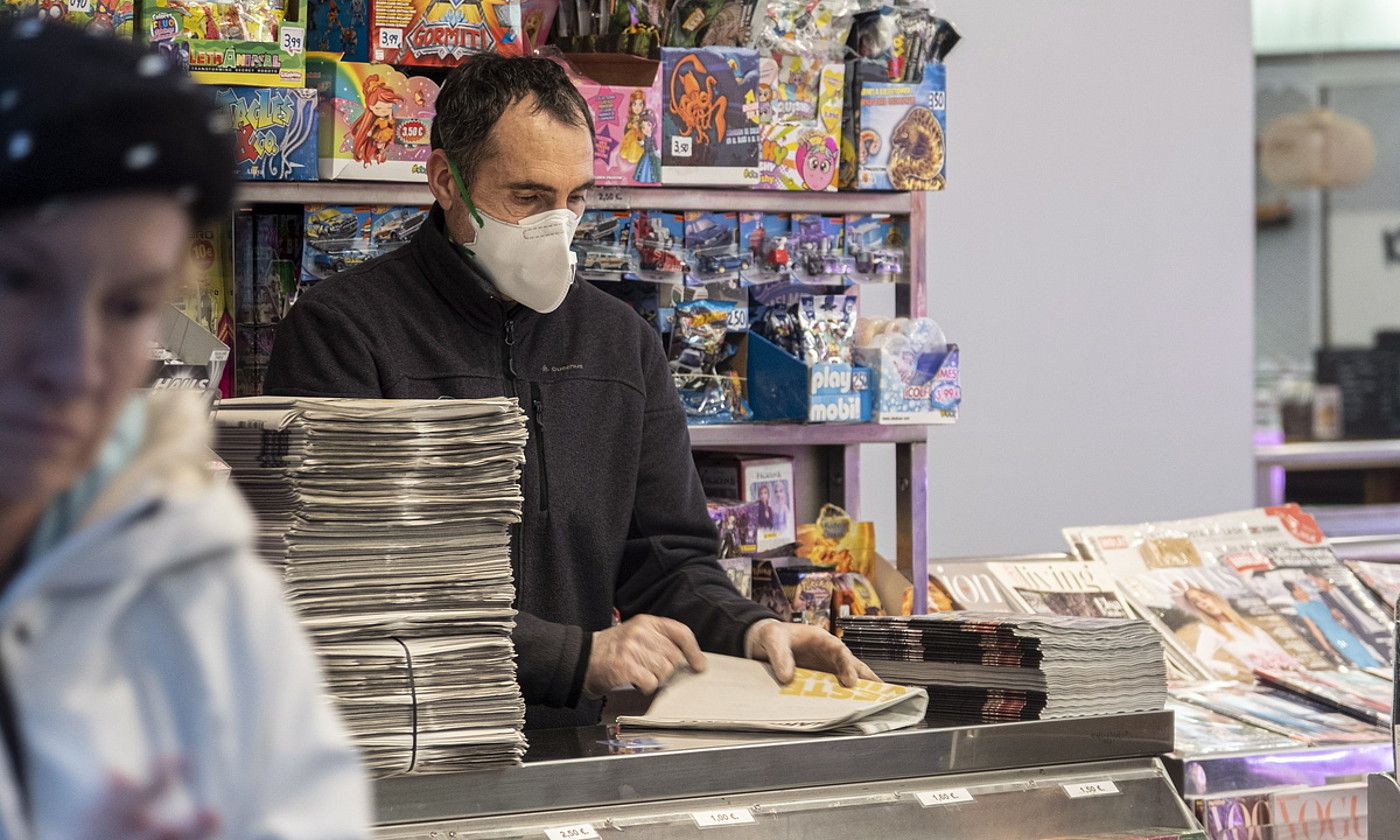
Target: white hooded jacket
[[151, 632]]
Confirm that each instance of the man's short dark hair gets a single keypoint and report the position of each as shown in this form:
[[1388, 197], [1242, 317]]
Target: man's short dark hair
[[478, 92]]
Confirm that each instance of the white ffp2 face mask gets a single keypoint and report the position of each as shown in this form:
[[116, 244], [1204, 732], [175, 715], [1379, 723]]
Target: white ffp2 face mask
[[529, 262]]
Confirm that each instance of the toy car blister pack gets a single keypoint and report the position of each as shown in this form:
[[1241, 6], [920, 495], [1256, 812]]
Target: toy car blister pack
[[821, 255], [712, 116], [231, 42], [876, 242], [659, 240], [375, 121], [275, 130], [712, 240], [440, 33], [340, 237], [603, 241]]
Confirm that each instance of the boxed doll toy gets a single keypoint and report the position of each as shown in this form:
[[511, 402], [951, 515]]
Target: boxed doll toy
[[375, 121], [624, 96], [711, 135], [276, 131], [766, 481], [227, 42], [440, 33]]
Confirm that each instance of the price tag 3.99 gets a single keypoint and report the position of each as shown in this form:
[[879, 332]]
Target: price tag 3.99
[[1084, 790], [948, 796], [720, 819], [582, 831]]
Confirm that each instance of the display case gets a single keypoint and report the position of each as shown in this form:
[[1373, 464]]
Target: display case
[[1022, 781]]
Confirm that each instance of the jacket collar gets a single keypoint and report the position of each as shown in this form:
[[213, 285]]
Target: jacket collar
[[460, 280]]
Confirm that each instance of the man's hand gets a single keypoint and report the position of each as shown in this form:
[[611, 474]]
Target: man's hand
[[643, 652], [788, 646]]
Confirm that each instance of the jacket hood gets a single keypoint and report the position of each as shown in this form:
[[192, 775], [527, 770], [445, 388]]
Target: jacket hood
[[163, 508]]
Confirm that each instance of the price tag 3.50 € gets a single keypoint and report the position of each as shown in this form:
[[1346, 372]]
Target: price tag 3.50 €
[[720, 819]]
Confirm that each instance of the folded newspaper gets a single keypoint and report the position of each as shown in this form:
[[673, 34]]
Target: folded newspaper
[[742, 695]]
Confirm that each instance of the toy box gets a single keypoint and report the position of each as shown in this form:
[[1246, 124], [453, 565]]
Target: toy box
[[713, 242], [820, 255], [737, 523], [114, 16], [764, 481], [800, 150], [225, 42], [440, 33], [375, 121], [276, 131], [712, 127], [624, 95], [603, 243], [767, 590], [906, 394], [876, 242], [536, 20], [659, 240], [903, 134], [340, 237], [210, 302], [339, 26], [784, 387]]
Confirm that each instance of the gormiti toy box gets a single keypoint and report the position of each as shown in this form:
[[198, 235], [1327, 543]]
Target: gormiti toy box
[[226, 42], [375, 121], [117, 16], [440, 33]]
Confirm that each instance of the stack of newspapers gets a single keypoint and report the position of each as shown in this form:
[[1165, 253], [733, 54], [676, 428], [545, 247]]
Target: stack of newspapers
[[985, 667], [390, 523]]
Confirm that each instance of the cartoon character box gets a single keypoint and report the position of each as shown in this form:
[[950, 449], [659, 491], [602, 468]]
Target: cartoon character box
[[276, 131], [339, 26], [624, 95], [903, 134], [232, 42], [440, 33], [375, 121], [800, 147], [115, 16], [712, 116]]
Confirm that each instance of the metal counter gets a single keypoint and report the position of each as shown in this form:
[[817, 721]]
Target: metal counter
[[602, 769]]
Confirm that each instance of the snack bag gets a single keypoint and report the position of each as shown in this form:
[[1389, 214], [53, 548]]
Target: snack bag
[[838, 541]]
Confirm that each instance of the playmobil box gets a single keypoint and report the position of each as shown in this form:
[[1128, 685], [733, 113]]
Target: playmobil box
[[800, 147], [711, 130], [624, 95], [375, 121], [903, 134], [784, 387], [226, 42], [339, 26], [275, 130], [114, 16], [440, 33]]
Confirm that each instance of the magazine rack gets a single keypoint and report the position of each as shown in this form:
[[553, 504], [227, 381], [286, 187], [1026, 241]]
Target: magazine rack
[[827, 457]]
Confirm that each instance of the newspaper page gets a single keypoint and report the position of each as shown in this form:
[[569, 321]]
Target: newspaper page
[[742, 695]]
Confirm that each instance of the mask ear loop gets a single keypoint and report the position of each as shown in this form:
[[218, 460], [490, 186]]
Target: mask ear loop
[[467, 197]]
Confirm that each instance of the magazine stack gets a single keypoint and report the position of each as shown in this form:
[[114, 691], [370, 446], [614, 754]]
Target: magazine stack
[[397, 560], [1005, 667]]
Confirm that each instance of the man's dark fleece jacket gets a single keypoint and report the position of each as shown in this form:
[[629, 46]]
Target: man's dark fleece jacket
[[614, 512]]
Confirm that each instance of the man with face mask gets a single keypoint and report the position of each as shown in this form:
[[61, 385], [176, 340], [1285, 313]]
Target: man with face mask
[[483, 303]]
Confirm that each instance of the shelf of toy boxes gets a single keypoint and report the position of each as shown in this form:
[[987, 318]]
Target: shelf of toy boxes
[[828, 454]]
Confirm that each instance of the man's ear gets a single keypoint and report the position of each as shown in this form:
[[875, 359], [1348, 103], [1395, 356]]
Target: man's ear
[[441, 182]]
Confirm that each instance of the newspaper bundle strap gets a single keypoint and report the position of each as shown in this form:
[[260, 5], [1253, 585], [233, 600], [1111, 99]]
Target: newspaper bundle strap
[[389, 520]]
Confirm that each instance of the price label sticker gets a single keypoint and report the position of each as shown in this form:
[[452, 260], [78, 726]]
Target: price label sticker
[[720, 819], [682, 146], [293, 40], [582, 831], [948, 796], [390, 39], [1084, 790], [80, 6], [607, 199]]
